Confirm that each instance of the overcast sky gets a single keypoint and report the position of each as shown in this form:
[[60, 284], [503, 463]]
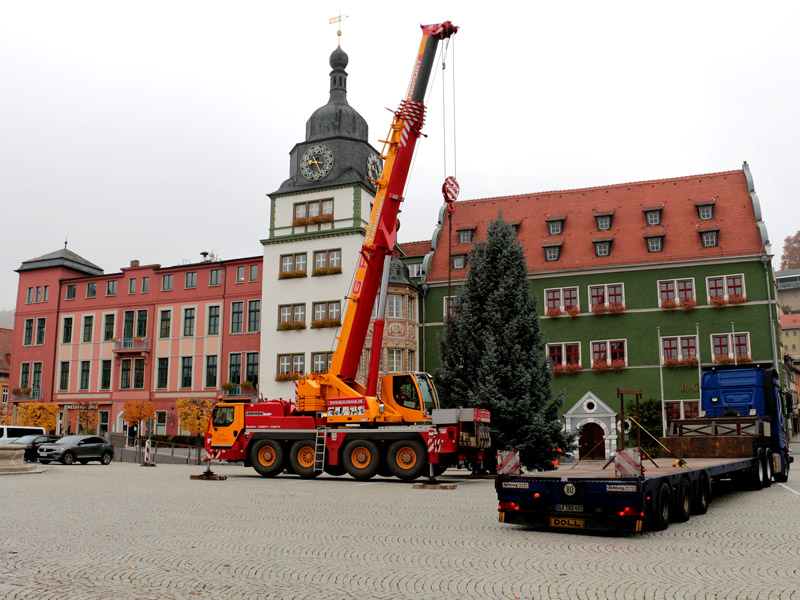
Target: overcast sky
[[153, 130]]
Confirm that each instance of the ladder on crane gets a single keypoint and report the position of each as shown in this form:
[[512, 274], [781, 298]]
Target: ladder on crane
[[319, 450]]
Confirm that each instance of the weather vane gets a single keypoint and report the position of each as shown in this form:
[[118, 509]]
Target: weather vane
[[338, 19]]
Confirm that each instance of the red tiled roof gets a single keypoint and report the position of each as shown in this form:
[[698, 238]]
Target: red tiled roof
[[790, 321], [415, 248], [733, 216]]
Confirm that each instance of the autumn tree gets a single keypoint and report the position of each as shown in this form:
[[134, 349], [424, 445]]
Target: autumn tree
[[38, 414], [138, 410], [193, 414], [790, 259], [86, 416], [493, 354]]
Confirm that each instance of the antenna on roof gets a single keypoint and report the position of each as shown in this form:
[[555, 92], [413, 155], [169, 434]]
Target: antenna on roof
[[65, 242]]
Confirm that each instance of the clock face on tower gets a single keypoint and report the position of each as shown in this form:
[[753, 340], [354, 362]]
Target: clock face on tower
[[316, 162], [374, 166]]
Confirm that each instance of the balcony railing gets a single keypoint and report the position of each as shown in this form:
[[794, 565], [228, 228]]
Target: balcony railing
[[134, 344], [34, 394], [238, 391]]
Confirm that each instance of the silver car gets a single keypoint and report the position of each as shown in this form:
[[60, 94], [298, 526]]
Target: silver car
[[80, 448]]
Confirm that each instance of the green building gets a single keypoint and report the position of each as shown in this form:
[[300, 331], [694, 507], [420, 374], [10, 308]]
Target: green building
[[639, 285]]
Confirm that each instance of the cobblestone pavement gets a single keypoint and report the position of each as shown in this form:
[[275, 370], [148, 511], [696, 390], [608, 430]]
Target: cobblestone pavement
[[93, 532]]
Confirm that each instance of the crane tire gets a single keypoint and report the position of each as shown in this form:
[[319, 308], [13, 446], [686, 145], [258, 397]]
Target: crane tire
[[361, 459], [266, 457], [407, 459], [302, 457], [683, 501]]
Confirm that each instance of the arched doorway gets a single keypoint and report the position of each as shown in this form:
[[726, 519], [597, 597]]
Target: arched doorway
[[590, 444]]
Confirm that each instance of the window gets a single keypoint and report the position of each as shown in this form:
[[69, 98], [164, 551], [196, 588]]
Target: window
[[254, 315], [552, 253], [394, 360], [679, 348], [237, 316], [163, 373], [555, 227], [394, 306], [253, 276], [166, 283], [132, 285], [235, 368], [239, 274], [70, 292], [145, 285], [465, 236], [568, 353], [111, 288], [138, 373], [63, 380], [292, 313], [161, 422], [125, 374], [290, 262], [66, 335], [414, 269], [141, 323], [88, 323], [705, 212], [127, 324], [105, 375], [729, 346], [28, 337], [291, 363], [251, 367], [186, 372], [191, 280], [211, 371], [709, 239], [29, 297], [655, 244], [108, 328], [653, 217], [36, 381], [215, 277], [298, 363], [561, 298], [607, 351], [91, 290], [606, 295], [188, 322], [449, 306], [24, 374], [40, 326], [38, 294], [327, 311], [45, 293], [675, 290], [726, 286], [321, 361], [459, 261], [603, 222], [213, 320], [164, 326], [326, 259], [602, 248], [84, 381], [304, 210]]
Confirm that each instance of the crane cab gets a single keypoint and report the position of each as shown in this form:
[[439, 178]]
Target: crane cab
[[412, 396]]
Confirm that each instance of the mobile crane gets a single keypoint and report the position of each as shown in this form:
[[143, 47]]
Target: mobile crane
[[339, 425]]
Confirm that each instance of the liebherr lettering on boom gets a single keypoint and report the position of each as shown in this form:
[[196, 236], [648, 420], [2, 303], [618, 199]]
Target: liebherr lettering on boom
[[338, 425]]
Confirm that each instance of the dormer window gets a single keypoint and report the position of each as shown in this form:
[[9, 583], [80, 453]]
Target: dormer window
[[465, 236], [652, 214], [555, 225], [705, 209], [459, 261], [709, 234], [602, 248], [552, 251], [603, 219], [709, 239], [655, 244]]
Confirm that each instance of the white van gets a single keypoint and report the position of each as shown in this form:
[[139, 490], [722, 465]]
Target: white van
[[12, 432]]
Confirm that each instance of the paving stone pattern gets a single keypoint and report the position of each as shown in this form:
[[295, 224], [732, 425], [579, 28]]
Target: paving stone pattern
[[122, 531]]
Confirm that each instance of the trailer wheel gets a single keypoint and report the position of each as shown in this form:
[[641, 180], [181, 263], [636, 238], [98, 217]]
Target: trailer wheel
[[683, 504], [267, 458], [783, 475], [361, 459], [703, 496], [302, 457], [769, 469], [663, 508], [406, 459]]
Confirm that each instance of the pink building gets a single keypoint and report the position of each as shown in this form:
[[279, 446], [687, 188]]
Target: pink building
[[147, 333]]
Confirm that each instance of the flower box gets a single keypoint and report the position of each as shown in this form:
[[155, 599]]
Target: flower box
[[723, 360], [292, 274], [599, 309], [688, 304], [573, 311], [616, 308], [319, 324], [672, 363], [228, 386], [718, 302], [247, 386], [743, 360], [737, 299], [572, 369], [669, 305], [688, 363], [558, 370], [301, 221], [600, 367], [288, 376], [291, 325], [320, 271], [618, 365], [554, 312]]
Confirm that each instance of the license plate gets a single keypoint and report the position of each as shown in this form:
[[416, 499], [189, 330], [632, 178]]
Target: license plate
[[566, 522], [569, 507]]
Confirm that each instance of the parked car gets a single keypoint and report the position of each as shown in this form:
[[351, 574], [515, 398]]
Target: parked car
[[32, 443], [81, 448], [13, 432]]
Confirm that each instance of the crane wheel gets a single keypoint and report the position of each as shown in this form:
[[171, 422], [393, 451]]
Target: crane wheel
[[267, 458], [407, 459], [302, 457], [361, 459]]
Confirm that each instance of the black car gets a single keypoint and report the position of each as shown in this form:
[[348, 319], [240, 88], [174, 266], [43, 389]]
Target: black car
[[81, 448], [32, 443]]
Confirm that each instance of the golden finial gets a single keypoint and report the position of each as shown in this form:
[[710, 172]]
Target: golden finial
[[338, 19]]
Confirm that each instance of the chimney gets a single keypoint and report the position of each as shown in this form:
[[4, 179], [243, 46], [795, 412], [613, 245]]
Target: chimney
[[204, 254], [134, 263]]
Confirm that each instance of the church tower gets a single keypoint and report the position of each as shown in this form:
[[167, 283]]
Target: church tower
[[318, 218]]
